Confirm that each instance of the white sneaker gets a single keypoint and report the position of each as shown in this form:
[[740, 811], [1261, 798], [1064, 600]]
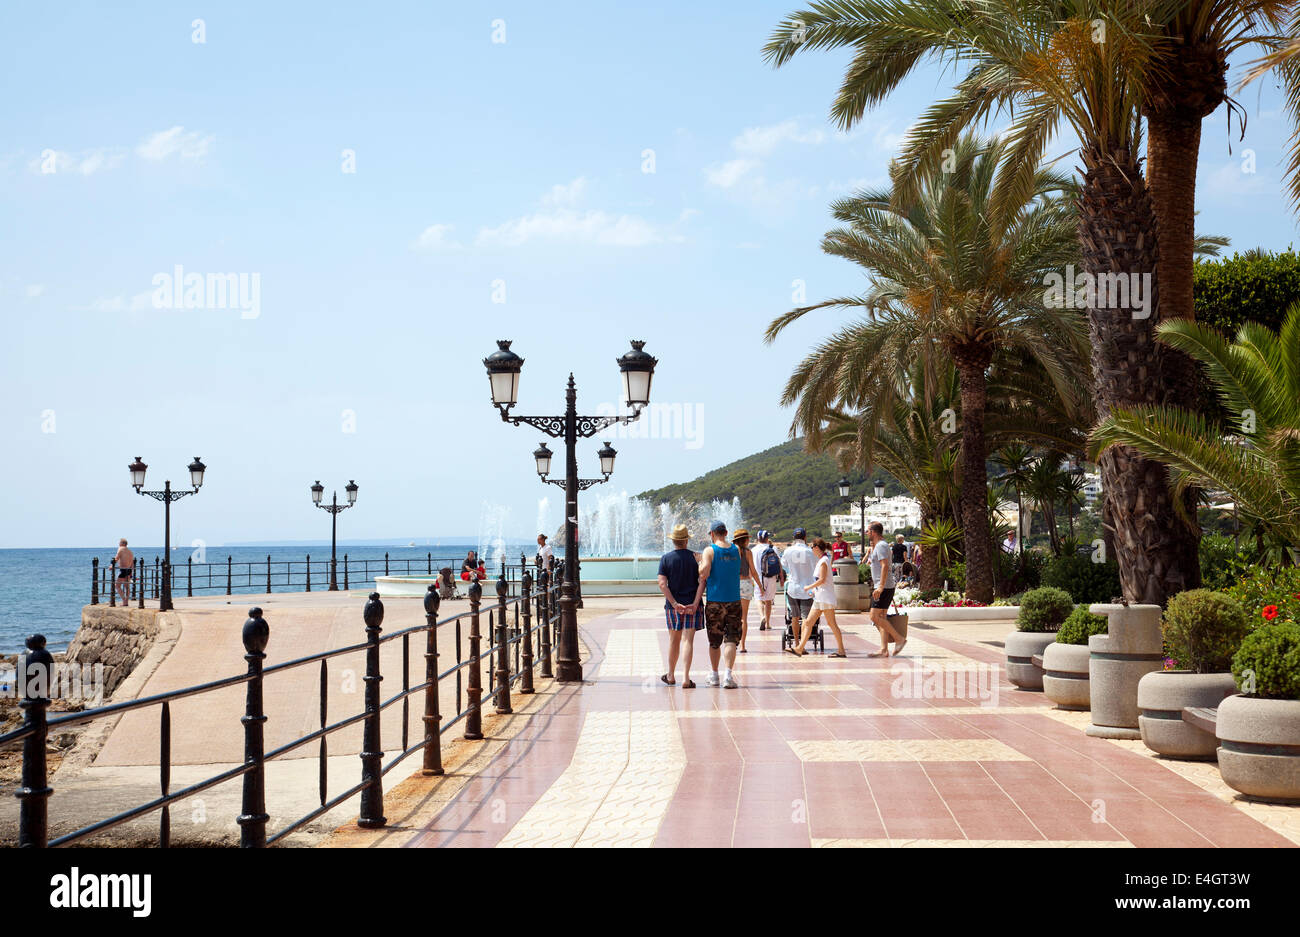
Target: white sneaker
[[712, 679], [729, 683]]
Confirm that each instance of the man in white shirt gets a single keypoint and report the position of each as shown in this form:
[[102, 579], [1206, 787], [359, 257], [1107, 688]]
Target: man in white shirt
[[545, 555], [800, 572]]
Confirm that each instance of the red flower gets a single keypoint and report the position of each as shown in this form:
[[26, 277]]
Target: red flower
[[1270, 612]]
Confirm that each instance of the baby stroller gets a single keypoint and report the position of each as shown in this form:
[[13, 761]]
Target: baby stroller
[[790, 639], [446, 588]]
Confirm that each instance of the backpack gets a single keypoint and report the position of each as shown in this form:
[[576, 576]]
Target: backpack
[[769, 563]]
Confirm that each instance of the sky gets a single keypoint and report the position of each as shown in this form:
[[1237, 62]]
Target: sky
[[394, 187]]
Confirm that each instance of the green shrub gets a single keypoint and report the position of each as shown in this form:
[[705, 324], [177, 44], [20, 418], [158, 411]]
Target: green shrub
[[929, 595], [1080, 626], [1087, 581], [1250, 286], [1203, 629], [1044, 609], [1268, 662], [1269, 595], [1222, 564], [955, 576]]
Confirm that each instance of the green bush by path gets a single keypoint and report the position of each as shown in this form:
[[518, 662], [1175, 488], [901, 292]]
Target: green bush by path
[[1269, 595], [1080, 626], [1044, 609], [1222, 564], [1246, 287], [1086, 581], [1268, 662], [1203, 630]]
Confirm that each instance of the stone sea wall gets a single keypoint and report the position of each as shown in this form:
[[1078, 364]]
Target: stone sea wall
[[118, 638]]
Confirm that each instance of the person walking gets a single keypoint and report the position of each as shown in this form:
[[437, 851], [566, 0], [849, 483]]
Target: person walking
[[125, 560], [679, 580], [748, 582], [545, 555], [768, 564], [883, 582], [823, 601], [720, 582], [798, 563]]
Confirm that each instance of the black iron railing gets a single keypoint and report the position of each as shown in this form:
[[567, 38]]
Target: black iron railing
[[513, 627], [268, 575]]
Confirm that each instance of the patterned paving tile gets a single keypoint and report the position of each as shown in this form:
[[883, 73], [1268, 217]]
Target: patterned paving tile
[[820, 712], [970, 843], [632, 652], [906, 750]]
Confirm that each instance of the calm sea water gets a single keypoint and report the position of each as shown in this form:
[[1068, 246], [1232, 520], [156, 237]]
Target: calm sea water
[[43, 591]]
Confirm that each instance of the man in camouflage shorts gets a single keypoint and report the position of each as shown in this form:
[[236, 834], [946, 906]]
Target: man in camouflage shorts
[[720, 582]]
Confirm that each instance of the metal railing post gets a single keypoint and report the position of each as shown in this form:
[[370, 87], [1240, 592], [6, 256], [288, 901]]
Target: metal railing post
[[345, 573], [474, 685], [526, 600], [385, 562], [503, 649], [189, 576], [372, 751], [432, 717], [94, 580], [139, 581], [34, 794], [253, 817], [112, 583], [544, 610], [227, 574], [308, 572], [268, 574]]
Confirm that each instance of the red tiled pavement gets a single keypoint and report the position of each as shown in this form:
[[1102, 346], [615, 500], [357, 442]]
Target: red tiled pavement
[[1023, 775]]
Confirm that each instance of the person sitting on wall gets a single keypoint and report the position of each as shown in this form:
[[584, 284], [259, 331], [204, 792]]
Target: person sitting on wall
[[469, 567]]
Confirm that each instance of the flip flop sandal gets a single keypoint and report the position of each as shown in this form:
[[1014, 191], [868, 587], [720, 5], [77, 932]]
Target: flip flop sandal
[[688, 685], [837, 655], [664, 678], [744, 650]]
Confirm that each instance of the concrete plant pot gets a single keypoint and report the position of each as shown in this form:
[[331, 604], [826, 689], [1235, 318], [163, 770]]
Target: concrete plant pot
[[1065, 675], [1259, 747], [1162, 695], [1118, 660], [1021, 647]]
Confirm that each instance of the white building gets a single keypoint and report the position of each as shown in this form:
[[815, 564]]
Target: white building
[[893, 513], [1091, 487]]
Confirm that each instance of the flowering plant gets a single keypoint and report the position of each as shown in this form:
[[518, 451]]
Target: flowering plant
[[1269, 595]]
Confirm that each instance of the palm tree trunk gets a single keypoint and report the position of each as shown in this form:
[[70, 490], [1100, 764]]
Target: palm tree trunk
[[1156, 549], [972, 361]]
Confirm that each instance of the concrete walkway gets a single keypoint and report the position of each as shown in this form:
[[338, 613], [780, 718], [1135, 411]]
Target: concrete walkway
[[821, 752]]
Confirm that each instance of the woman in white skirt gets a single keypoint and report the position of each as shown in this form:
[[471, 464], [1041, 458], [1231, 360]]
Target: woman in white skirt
[[823, 601]]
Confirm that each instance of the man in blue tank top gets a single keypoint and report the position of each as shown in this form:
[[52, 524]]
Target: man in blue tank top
[[720, 583]]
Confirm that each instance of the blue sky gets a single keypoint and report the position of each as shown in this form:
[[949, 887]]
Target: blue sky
[[500, 191]]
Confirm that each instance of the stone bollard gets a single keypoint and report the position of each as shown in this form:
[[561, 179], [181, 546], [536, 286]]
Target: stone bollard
[[1117, 661]]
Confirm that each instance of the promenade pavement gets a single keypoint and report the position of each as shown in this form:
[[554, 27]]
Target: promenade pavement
[[820, 752]]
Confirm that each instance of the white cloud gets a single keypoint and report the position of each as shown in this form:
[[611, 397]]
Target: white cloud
[[436, 237], [566, 196], [172, 142], [730, 172], [761, 141], [35, 289], [567, 224], [86, 163], [561, 217]]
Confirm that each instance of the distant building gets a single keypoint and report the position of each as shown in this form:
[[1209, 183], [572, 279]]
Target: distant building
[[893, 513], [1091, 487]]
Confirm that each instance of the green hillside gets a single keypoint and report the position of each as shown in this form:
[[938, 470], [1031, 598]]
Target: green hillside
[[779, 488]]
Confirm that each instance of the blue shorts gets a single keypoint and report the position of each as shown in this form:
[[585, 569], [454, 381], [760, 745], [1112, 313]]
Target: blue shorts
[[680, 622]]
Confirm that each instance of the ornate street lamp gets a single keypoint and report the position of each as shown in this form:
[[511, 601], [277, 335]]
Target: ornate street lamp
[[637, 367], [317, 495], [879, 488], [166, 496]]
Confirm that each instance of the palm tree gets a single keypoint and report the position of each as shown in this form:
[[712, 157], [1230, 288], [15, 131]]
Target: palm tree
[[1044, 62], [1044, 489], [1015, 460], [1256, 459], [953, 279]]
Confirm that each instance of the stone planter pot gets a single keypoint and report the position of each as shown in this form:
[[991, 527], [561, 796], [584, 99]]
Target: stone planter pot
[[1259, 747], [1021, 646], [1065, 675], [1117, 662], [1162, 695]]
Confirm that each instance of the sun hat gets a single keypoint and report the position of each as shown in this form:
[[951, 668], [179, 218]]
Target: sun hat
[[717, 527], [680, 533], [741, 534]]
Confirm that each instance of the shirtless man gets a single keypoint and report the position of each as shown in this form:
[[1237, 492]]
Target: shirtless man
[[125, 560]]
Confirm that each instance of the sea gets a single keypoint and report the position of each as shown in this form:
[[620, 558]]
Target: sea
[[43, 591]]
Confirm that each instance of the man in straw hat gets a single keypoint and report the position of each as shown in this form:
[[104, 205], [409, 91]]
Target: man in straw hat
[[679, 580]]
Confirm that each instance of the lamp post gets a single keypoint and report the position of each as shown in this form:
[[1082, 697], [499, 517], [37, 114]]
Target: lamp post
[[879, 487], [317, 493], [166, 496], [503, 367]]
